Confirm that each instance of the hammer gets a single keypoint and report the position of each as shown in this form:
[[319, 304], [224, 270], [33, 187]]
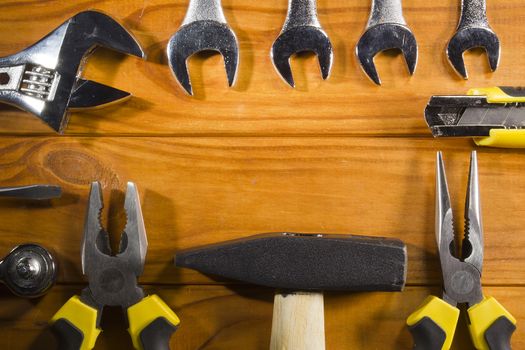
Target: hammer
[[302, 266]]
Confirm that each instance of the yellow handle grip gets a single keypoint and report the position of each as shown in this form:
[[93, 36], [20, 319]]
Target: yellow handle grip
[[142, 327], [76, 325], [442, 314], [503, 138], [497, 94], [482, 317]]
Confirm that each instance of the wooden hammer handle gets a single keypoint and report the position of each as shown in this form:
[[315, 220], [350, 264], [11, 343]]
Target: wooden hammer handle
[[298, 322]]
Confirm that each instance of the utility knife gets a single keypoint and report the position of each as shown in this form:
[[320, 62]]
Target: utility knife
[[492, 116]]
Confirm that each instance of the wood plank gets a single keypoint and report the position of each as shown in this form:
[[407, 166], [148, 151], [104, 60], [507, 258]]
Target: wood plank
[[260, 103], [216, 317], [198, 191]]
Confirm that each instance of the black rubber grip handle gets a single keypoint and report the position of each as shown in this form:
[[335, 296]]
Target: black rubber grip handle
[[156, 335], [515, 91], [69, 337], [499, 333], [427, 335]]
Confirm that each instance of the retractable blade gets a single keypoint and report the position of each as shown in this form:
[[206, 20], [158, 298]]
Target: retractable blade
[[492, 116]]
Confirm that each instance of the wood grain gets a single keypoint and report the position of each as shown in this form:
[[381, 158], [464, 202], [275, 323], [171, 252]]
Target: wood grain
[[261, 103], [298, 321], [201, 190], [216, 317], [340, 156]]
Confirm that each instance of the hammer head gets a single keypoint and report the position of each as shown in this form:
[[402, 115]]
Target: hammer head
[[306, 262]]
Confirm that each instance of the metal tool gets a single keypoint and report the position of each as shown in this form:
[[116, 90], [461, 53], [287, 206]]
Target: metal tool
[[44, 79], [473, 31], [36, 192], [386, 29], [301, 266], [301, 32], [434, 323], [204, 28], [492, 116], [29, 270], [113, 282]]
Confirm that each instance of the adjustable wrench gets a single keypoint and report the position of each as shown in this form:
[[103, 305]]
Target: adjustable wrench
[[301, 32], [386, 29], [45, 79], [204, 28], [473, 31]]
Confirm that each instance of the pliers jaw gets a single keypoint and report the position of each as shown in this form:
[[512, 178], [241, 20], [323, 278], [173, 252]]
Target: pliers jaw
[[44, 79], [113, 279], [113, 282], [461, 275]]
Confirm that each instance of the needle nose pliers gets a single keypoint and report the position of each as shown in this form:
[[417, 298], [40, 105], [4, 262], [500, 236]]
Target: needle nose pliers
[[113, 282], [434, 323]]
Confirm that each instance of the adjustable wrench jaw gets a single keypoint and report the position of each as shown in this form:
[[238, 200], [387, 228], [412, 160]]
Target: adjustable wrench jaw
[[44, 79]]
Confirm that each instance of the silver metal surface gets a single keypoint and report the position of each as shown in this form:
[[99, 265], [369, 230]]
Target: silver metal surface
[[301, 32], [43, 78], [204, 28], [37, 192], [386, 29], [471, 116], [113, 279], [29, 270], [473, 240], [301, 13], [386, 11], [204, 10], [461, 279], [473, 30]]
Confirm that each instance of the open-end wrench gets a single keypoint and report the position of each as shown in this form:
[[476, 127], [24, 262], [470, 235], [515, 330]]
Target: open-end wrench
[[386, 29], [45, 79], [301, 32], [204, 28], [473, 31]]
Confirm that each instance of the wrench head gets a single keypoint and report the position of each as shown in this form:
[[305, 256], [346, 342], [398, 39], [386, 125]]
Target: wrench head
[[202, 36], [59, 57], [382, 37], [469, 38], [301, 39]]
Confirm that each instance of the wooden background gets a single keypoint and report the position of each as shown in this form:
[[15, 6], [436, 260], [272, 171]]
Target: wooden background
[[341, 156]]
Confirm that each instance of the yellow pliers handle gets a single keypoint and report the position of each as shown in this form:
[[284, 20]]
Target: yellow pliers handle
[[503, 138], [151, 324], [491, 326], [75, 325], [433, 325]]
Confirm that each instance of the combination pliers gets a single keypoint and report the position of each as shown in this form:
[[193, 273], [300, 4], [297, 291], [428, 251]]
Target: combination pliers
[[434, 323], [113, 282]]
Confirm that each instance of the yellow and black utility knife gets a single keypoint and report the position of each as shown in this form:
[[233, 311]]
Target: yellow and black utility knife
[[493, 116]]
